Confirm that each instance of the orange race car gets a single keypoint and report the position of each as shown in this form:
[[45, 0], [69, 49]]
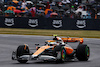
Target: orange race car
[[56, 49]]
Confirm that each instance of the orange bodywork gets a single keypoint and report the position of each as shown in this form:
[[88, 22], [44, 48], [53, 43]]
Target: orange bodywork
[[73, 40], [69, 50], [50, 41], [40, 50]]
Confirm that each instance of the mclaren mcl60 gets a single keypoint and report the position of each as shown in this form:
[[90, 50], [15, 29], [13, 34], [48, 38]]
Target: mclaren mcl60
[[56, 50]]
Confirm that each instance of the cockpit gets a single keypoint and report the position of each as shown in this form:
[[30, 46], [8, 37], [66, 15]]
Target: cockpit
[[50, 42]]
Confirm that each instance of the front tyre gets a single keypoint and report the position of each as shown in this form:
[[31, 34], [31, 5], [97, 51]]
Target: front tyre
[[22, 50], [83, 52], [62, 55]]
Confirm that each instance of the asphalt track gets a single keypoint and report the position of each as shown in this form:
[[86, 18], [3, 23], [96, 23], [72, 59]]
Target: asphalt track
[[9, 43]]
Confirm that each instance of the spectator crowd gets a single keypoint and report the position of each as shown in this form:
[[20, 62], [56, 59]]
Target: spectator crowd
[[51, 9]]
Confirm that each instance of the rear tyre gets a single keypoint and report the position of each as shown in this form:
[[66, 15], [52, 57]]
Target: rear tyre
[[22, 50], [83, 52]]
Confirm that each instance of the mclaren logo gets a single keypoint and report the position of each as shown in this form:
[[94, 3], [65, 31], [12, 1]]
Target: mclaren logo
[[81, 23], [33, 22], [57, 23], [9, 21]]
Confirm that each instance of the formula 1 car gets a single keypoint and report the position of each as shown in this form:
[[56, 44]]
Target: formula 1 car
[[56, 49]]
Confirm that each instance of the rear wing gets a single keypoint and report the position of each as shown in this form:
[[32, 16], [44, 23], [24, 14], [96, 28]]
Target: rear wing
[[73, 40]]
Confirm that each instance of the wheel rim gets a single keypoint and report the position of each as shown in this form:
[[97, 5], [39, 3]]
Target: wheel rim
[[87, 51], [63, 54]]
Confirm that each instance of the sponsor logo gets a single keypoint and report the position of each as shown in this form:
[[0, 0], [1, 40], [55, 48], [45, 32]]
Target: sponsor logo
[[81, 23], [57, 23], [9, 21], [33, 22]]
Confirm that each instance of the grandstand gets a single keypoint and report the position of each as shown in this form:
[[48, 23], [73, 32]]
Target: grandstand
[[82, 9]]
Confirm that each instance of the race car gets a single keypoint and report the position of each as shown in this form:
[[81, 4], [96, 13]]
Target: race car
[[56, 50]]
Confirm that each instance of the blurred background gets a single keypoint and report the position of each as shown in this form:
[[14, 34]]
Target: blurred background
[[82, 9]]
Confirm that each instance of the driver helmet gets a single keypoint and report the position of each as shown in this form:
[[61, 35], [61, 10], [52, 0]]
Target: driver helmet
[[59, 40]]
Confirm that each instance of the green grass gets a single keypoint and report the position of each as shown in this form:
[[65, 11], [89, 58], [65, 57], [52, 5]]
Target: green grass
[[43, 32]]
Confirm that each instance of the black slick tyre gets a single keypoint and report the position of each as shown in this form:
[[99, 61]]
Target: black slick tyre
[[62, 55], [22, 50], [82, 52]]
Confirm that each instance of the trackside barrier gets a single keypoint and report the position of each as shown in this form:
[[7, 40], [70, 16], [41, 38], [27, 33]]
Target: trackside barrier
[[50, 23]]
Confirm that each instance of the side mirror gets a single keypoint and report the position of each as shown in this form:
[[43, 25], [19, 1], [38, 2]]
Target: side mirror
[[37, 44]]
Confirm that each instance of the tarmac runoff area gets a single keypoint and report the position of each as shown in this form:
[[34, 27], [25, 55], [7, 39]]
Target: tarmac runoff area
[[9, 43]]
